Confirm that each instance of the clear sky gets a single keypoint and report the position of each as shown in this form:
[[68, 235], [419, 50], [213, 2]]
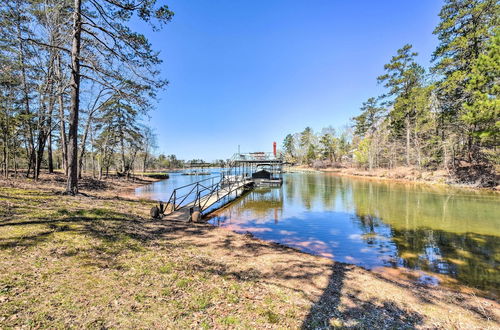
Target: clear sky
[[249, 72]]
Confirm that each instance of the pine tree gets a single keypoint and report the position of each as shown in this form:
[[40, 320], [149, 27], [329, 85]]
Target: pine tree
[[311, 153], [402, 77], [371, 113], [482, 110], [289, 147], [464, 31], [329, 146], [306, 141]]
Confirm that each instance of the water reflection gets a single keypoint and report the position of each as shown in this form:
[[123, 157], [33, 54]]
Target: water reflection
[[434, 229]]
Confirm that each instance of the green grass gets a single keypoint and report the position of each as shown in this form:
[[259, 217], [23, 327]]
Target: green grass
[[271, 316], [155, 175], [166, 268], [230, 320]]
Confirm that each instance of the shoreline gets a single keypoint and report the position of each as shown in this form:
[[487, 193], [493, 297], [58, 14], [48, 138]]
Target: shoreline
[[438, 180], [400, 274]]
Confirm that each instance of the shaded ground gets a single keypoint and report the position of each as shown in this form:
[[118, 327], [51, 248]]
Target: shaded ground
[[99, 261]]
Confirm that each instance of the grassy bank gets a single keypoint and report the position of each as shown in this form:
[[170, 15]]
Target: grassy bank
[[99, 261], [155, 175]]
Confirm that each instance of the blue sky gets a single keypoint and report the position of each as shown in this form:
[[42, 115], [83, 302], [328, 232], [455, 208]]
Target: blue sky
[[249, 72]]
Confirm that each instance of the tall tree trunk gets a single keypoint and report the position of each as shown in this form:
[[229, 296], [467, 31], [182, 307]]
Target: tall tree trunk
[[63, 137], [83, 143], [62, 120], [469, 146], [144, 162], [27, 151], [93, 153], [44, 128], [28, 128], [123, 154], [39, 154], [416, 143], [6, 152], [93, 164], [407, 141], [99, 164], [72, 184], [6, 140], [445, 157], [49, 154], [50, 160], [15, 164], [44, 119], [31, 160]]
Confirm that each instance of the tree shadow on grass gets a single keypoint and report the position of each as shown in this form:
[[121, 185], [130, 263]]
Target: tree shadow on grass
[[99, 223], [357, 312], [301, 274], [329, 312]]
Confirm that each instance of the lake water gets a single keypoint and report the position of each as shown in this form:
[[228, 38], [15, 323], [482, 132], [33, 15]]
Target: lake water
[[162, 190], [440, 232]]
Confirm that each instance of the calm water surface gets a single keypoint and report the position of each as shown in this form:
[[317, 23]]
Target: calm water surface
[[375, 224], [449, 233], [162, 190]]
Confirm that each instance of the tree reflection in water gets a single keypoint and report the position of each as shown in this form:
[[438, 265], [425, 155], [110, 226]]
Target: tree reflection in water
[[372, 224]]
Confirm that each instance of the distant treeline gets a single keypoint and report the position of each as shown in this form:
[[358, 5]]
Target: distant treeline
[[171, 162], [445, 117]]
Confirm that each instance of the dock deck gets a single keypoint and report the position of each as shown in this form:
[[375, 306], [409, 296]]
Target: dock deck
[[201, 198]]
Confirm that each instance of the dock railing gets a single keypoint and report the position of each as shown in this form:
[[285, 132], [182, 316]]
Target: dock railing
[[200, 194]]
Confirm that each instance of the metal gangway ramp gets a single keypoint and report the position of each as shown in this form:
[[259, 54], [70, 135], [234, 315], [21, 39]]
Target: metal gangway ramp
[[189, 202]]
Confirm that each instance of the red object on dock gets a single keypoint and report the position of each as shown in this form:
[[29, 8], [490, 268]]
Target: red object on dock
[[274, 149]]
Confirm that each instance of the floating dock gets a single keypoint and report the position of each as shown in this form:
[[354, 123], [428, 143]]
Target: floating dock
[[191, 202]]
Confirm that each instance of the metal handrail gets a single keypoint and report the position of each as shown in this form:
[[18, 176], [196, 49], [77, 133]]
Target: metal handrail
[[174, 198], [222, 183], [217, 187], [193, 183]]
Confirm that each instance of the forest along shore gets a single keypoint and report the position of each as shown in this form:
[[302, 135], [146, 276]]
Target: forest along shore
[[99, 260], [399, 174]]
